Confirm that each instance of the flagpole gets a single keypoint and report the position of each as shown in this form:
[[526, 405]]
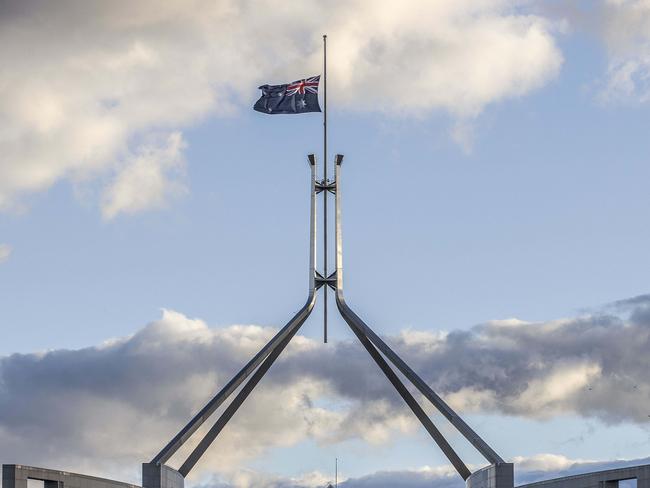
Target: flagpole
[[325, 272]]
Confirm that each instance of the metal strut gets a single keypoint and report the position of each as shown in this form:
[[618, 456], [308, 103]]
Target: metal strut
[[479, 444], [186, 432], [225, 417], [329, 281], [410, 401], [372, 342], [266, 356], [376, 347]]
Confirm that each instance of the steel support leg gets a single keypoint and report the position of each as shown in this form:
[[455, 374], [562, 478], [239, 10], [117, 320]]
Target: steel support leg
[[229, 388], [427, 391], [225, 417], [408, 398], [186, 432], [361, 329]]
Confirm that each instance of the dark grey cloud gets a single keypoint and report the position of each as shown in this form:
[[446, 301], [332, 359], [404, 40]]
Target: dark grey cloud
[[638, 307], [119, 402], [639, 300], [594, 365]]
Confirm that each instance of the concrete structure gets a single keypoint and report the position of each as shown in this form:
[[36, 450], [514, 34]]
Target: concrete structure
[[493, 476], [599, 479], [161, 476], [17, 476]]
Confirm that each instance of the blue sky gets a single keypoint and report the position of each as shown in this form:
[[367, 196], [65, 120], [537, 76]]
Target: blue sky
[[495, 168]]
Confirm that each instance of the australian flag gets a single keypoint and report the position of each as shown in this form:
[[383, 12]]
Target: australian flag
[[293, 98]]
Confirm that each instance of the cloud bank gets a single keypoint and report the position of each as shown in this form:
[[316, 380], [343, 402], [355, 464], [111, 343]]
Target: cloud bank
[[531, 469], [122, 400], [626, 32], [101, 91]]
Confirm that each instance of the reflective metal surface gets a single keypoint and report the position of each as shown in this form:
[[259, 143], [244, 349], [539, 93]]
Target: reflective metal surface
[[264, 359], [271, 349], [361, 329]]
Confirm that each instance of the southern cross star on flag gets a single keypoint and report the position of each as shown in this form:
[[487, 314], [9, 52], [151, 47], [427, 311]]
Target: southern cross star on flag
[[297, 97]]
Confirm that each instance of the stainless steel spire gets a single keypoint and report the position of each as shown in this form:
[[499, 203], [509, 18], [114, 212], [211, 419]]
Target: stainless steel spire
[[380, 352]]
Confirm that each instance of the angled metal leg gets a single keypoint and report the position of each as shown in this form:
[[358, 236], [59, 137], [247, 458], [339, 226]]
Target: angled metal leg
[[361, 329], [187, 431], [287, 331], [425, 389], [225, 417], [408, 398]]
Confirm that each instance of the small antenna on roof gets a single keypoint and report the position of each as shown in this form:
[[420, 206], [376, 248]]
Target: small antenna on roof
[[336, 472]]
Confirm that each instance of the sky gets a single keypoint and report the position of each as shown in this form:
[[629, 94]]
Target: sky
[[154, 233]]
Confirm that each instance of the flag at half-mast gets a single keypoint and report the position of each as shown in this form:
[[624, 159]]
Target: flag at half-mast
[[298, 97]]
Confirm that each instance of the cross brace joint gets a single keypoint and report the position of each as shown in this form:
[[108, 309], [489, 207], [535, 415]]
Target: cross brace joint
[[330, 281], [325, 185]]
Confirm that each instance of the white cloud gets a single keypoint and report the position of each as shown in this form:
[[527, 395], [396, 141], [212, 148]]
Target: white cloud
[[626, 31], [528, 469], [251, 478], [150, 384], [88, 88], [547, 396], [148, 180], [546, 462], [5, 252]]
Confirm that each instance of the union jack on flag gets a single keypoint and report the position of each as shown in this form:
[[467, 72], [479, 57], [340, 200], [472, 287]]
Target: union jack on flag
[[301, 86]]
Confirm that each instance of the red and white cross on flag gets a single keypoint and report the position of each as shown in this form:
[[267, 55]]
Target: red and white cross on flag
[[301, 86]]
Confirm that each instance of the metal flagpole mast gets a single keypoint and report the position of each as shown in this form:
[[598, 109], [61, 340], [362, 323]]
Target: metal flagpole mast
[[325, 272], [154, 472]]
